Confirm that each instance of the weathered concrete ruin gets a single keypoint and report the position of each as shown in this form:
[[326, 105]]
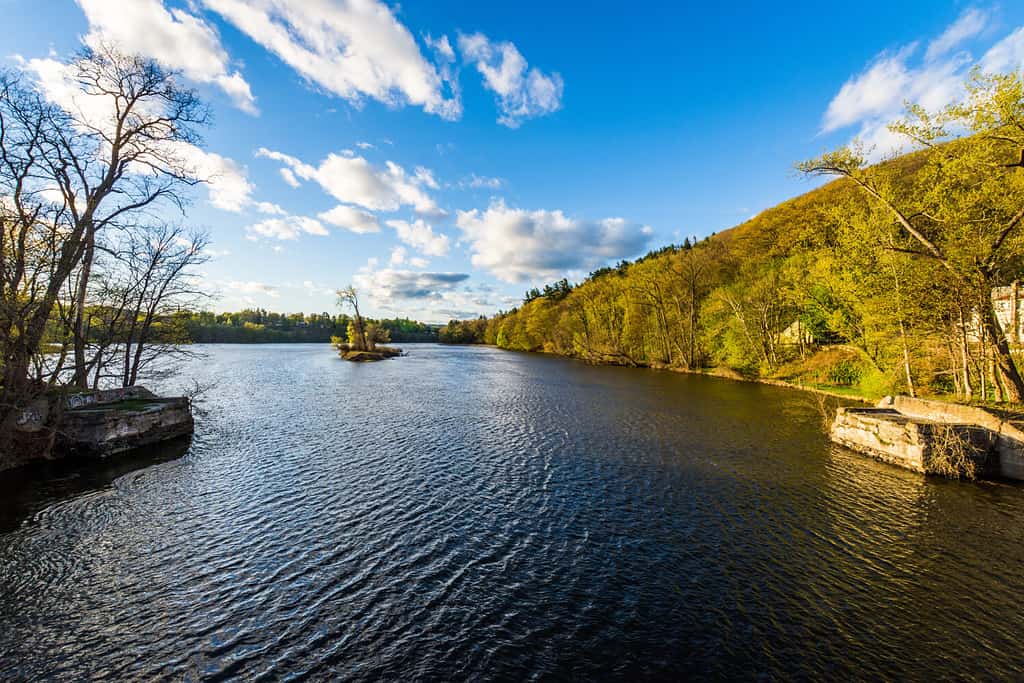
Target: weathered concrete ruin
[[101, 423], [935, 437]]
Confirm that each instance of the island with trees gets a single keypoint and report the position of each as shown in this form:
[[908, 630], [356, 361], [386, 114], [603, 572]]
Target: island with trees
[[364, 339]]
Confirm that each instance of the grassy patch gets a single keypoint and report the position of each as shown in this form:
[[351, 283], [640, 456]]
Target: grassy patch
[[839, 369]]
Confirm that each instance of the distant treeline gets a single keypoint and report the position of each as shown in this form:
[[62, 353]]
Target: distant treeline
[[258, 326]]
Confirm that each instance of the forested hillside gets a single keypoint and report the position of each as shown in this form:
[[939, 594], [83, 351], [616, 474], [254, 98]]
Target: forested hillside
[[880, 281]]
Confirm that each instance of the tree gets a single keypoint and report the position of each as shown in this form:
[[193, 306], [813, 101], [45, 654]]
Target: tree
[[964, 207], [349, 297], [376, 334], [105, 150], [132, 129], [145, 279]]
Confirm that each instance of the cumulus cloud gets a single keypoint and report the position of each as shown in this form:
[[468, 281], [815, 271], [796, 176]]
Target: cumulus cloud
[[875, 97], [434, 296], [354, 180], [227, 183], [351, 48], [522, 92], [517, 245], [350, 219], [286, 228], [421, 236], [400, 256], [175, 38]]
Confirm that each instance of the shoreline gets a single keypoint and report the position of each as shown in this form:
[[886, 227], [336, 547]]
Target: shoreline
[[717, 373]]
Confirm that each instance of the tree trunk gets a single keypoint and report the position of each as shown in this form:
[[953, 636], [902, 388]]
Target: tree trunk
[[965, 357], [1008, 375], [81, 377]]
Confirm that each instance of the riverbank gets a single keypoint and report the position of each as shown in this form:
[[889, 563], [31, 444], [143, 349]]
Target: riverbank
[[726, 373]]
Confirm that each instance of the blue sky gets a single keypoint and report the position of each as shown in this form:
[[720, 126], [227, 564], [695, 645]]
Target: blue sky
[[446, 156]]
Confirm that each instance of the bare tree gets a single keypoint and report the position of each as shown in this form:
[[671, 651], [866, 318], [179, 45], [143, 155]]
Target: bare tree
[[143, 281], [111, 150], [132, 126], [349, 298]]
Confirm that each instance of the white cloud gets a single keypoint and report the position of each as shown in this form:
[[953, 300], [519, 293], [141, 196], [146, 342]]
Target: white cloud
[[270, 209], [400, 256], [175, 38], [354, 180], [227, 184], [517, 245], [1007, 54], [476, 182], [421, 237], [433, 296], [874, 98], [251, 287], [522, 92], [968, 25], [424, 176], [442, 47], [351, 48], [350, 219], [879, 89], [289, 177], [389, 284], [364, 145], [313, 289], [287, 228]]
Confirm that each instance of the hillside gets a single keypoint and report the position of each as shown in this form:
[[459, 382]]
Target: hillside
[[824, 289]]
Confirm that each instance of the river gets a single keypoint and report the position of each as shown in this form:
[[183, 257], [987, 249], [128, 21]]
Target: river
[[469, 513]]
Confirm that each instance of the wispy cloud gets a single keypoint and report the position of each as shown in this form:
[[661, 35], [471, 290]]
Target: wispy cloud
[[873, 98]]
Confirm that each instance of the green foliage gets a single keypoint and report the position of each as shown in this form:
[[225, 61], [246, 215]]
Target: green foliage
[[845, 373]]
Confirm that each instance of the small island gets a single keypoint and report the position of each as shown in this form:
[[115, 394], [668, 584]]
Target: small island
[[364, 343]]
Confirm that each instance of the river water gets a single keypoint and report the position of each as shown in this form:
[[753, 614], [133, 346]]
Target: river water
[[468, 513]]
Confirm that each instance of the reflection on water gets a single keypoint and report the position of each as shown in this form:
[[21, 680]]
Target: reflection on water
[[469, 513], [26, 490]]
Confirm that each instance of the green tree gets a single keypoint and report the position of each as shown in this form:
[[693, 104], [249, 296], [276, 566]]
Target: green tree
[[964, 206]]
